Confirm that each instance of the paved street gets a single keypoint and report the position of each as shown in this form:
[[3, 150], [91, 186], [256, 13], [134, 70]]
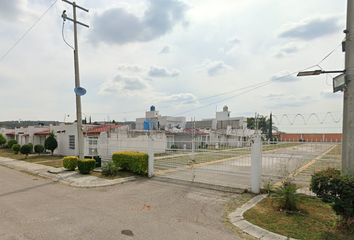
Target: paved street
[[35, 208]]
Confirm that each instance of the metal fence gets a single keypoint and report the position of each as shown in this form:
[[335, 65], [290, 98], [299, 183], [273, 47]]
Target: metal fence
[[211, 163], [297, 161], [222, 163]]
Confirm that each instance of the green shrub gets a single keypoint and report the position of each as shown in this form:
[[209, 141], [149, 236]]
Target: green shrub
[[132, 161], [70, 162], [11, 142], [31, 147], [25, 149], [109, 169], [16, 148], [38, 149], [325, 184], [86, 165], [287, 197], [338, 189]]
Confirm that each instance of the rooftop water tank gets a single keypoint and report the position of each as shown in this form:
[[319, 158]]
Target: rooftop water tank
[[152, 108], [147, 125]]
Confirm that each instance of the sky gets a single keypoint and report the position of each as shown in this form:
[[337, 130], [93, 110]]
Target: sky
[[187, 58]]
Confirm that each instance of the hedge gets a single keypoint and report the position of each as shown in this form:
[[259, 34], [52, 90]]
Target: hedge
[[132, 161], [70, 162], [86, 165]]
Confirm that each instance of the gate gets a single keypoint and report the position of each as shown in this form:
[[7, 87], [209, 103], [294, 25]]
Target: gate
[[297, 161], [225, 164]]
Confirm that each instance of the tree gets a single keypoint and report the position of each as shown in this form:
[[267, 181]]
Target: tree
[[11, 142], [51, 143], [26, 149], [2, 139], [16, 148], [263, 123], [38, 149]]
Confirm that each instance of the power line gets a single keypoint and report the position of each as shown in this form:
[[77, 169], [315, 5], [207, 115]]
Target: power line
[[255, 86], [27, 31]]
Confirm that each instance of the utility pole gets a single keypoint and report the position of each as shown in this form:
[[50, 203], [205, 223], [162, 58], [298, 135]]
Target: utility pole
[[348, 102], [77, 77]]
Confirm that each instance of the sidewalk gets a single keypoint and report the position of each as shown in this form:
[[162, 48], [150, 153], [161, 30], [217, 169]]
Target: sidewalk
[[62, 175]]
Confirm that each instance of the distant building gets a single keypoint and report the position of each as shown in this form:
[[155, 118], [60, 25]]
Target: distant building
[[159, 122], [224, 129]]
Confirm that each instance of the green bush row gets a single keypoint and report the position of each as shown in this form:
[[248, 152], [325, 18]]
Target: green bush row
[[132, 161]]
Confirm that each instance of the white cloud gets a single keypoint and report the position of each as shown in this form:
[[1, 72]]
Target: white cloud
[[288, 50], [119, 26], [233, 40], [311, 28], [214, 68], [156, 71], [166, 49], [180, 99], [279, 100], [331, 95]]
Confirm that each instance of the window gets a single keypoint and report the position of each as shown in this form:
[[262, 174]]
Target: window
[[72, 142], [92, 141]]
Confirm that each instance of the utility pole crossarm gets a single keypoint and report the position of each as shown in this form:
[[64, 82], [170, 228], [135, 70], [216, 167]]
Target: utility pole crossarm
[[74, 4], [83, 24]]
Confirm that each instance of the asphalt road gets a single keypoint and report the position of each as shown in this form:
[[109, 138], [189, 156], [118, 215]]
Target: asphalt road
[[36, 208]]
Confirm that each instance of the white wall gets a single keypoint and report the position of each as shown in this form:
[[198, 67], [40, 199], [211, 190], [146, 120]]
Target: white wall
[[62, 133], [130, 141]]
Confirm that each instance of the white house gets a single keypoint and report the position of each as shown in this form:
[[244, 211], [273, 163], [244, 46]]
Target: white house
[[160, 122], [104, 140], [25, 135]]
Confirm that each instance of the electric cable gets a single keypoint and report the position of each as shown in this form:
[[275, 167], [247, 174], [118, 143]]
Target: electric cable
[[62, 34], [27, 31]]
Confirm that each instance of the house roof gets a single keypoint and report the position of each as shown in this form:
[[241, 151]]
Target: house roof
[[25, 135], [104, 128], [43, 133], [10, 133]]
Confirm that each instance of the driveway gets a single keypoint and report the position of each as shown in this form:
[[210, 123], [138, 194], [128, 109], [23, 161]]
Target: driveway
[[36, 208]]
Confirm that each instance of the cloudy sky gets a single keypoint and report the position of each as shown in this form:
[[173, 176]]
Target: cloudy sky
[[188, 58]]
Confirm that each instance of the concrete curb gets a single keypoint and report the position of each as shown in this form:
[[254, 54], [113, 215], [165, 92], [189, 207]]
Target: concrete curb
[[237, 219], [61, 175]]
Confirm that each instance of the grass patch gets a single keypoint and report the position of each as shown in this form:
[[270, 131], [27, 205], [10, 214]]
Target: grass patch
[[314, 221], [8, 153]]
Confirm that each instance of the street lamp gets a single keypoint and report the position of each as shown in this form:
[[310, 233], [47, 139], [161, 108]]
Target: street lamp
[[339, 82], [317, 72]]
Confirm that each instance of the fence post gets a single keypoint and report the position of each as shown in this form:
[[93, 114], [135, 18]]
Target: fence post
[[256, 164], [151, 156]]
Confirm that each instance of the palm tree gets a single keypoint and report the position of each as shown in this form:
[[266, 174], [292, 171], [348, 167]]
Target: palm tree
[[263, 124]]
